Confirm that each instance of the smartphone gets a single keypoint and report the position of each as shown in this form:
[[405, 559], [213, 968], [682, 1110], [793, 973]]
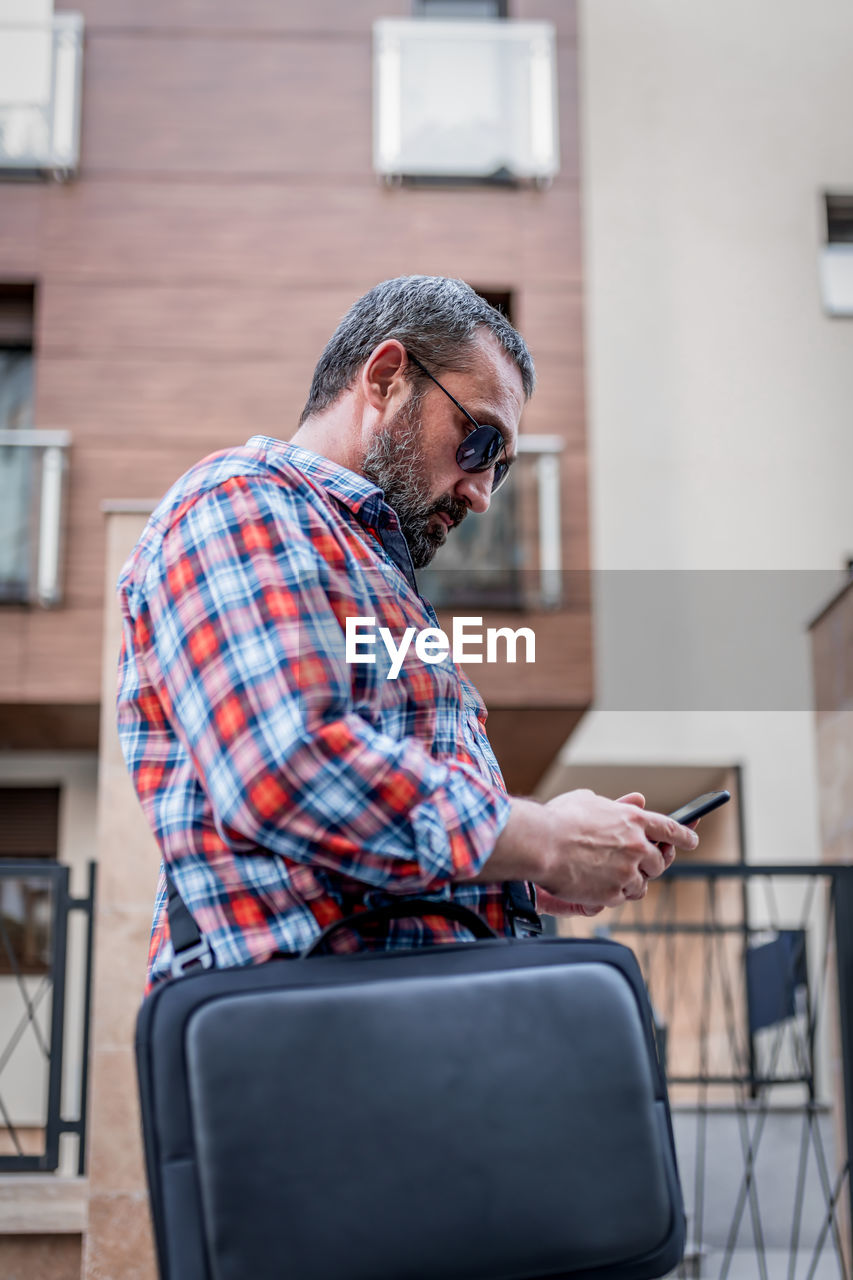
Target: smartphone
[[700, 806]]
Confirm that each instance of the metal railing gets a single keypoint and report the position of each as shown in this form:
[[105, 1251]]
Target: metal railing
[[750, 971], [511, 557], [46, 1003], [41, 72], [33, 467]]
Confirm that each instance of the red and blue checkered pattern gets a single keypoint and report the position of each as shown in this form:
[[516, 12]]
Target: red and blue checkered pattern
[[285, 786]]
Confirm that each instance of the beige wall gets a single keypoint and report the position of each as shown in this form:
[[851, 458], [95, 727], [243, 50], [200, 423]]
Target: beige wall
[[118, 1240], [719, 395]]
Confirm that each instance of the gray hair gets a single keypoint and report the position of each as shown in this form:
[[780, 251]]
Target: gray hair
[[436, 319]]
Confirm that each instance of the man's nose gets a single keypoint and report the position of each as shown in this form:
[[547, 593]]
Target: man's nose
[[475, 488]]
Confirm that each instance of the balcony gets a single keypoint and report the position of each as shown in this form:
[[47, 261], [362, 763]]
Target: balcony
[[41, 69], [45, 985], [32, 484], [509, 558], [505, 569], [465, 101]]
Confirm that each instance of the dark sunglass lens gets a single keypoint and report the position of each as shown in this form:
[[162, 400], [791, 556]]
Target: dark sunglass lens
[[478, 451], [500, 474]]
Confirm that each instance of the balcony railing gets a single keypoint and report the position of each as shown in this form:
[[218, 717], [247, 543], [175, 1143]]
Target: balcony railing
[[750, 971], [465, 100], [32, 488], [41, 72], [511, 557], [45, 986]]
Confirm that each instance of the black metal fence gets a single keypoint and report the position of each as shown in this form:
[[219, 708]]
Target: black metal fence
[[750, 970], [45, 1004]]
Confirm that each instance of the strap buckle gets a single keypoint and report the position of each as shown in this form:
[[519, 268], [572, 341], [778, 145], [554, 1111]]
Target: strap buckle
[[199, 955], [530, 925], [520, 909]]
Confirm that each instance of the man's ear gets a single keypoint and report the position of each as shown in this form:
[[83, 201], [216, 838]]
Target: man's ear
[[382, 375]]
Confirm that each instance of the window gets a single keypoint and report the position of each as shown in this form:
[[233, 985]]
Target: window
[[32, 466], [508, 558], [460, 9], [836, 255], [16, 356], [17, 473], [839, 219], [29, 829]]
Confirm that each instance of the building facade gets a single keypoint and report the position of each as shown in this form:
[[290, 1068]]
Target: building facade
[[168, 278]]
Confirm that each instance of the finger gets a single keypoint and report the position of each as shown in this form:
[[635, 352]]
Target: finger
[[635, 889], [652, 864], [667, 852], [553, 905], [633, 797], [663, 830]]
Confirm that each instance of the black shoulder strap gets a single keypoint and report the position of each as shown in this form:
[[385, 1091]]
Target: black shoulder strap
[[191, 948], [519, 906]]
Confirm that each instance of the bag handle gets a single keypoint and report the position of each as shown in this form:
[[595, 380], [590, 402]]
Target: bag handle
[[405, 908]]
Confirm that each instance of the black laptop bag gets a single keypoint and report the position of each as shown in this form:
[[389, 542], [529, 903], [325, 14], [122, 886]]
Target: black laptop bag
[[489, 1110]]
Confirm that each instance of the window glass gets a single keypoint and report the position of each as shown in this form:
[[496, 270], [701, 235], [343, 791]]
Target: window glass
[[17, 469], [29, 828], [461, 8]]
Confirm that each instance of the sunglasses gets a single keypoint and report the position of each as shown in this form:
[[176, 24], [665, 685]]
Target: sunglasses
[[482, 447]]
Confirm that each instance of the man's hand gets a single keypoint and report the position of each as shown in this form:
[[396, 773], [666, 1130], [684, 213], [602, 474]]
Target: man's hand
[[554, 906], [586, 852]]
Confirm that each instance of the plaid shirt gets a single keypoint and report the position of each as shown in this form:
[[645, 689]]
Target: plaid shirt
[[286, 786]]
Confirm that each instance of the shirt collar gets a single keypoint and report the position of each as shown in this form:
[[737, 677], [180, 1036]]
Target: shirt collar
[[360, 495]]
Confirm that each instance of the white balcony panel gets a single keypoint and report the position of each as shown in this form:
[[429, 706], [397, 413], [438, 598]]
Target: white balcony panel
[[465, 99], [41, 64], [836, 279], [33, 467], [511, 555]]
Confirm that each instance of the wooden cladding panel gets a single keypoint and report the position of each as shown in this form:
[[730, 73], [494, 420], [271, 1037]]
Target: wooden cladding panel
[[223, 17], [44, 726], [309, 235], [551, 319], [51, 656], [227, 106], [12, 650], [29, 822], [560, 676], [216, 399], [166, 403], [242, 321], [563, 14], [21, 220], [202, 104], [251, 319], [832, 654], [182, 305], [526, 741]]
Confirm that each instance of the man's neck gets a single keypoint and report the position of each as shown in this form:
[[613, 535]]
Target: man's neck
[[334, 435]]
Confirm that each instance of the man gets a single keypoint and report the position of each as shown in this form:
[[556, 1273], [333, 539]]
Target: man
[[287, 785]]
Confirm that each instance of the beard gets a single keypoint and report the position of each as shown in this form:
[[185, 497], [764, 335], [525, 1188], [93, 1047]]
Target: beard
[[395, 461]]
